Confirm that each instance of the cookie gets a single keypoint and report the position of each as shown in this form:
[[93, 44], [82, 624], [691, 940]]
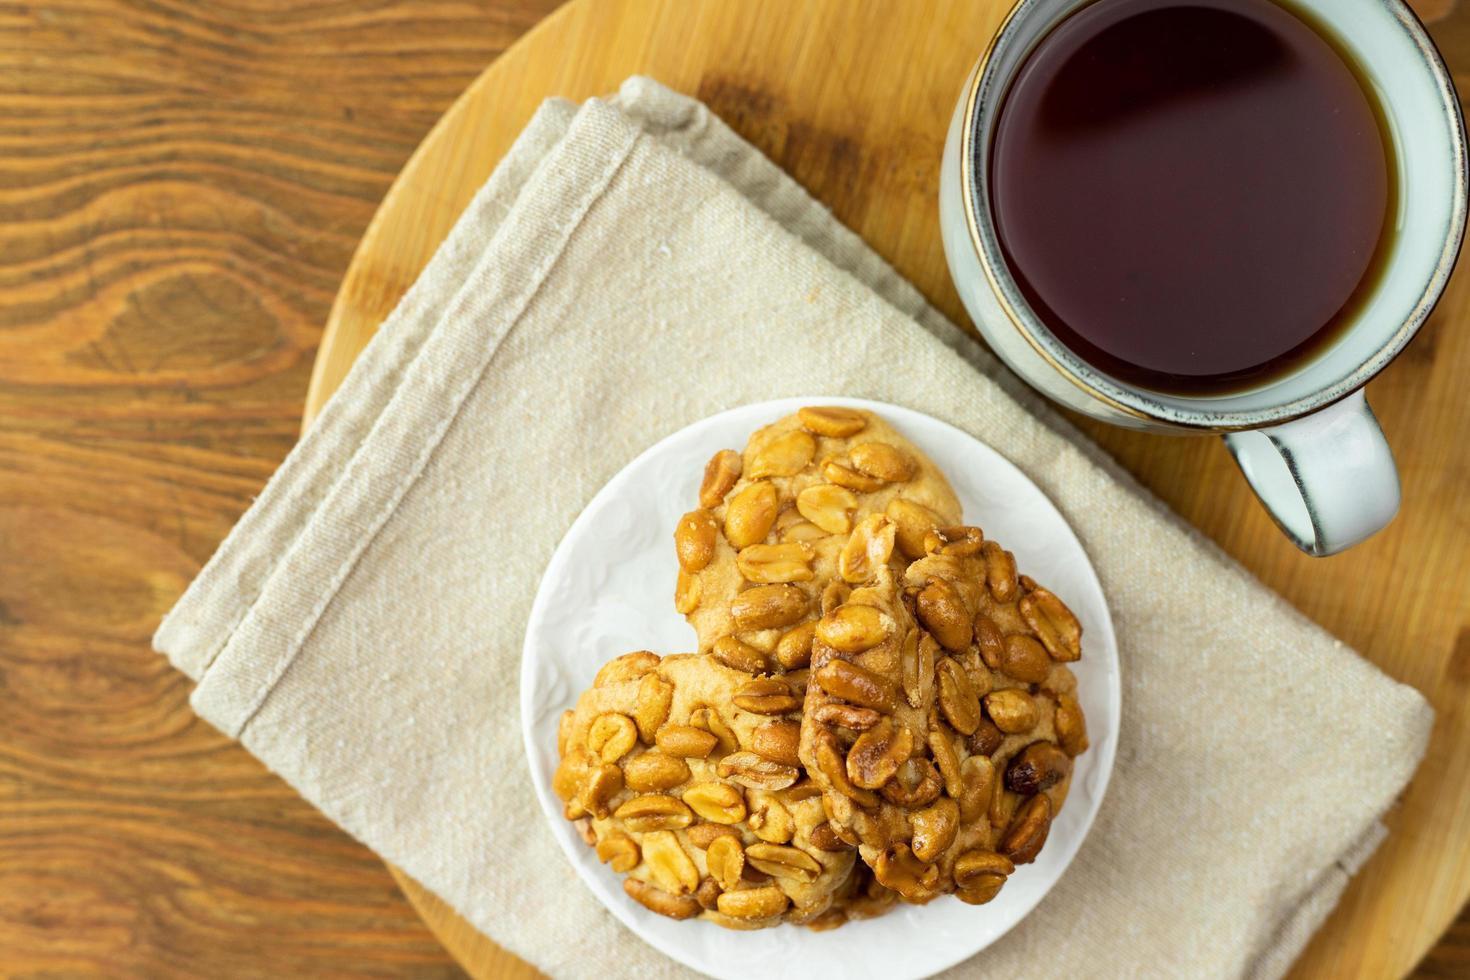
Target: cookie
[[941, 720], [683, 774], [816, 502]]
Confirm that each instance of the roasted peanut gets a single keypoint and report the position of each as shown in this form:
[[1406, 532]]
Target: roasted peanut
[[959, 541], [801, 532], [957, 696], [1070, 725], [703, 835], [880, 460], [753, 903], [837, 423], [660, 901], [979, 875], [916, 784], [847, 716], [785, 455], [720, 474], [585, 831], [941, 746], [1037, 768], [804, 789], [655, 695], [750, 770], [725, 859], [824, 838], [650, 772], [777, 741], [977, 787], [849, 478], [827, 506], [602, 784], [766, 696], [984, 889], [981, 862], [868, 549], [750, 514], [667, 861], [738, 656], [857, 685], [685, 741], [911, 523], [897, 868], [832, 763], [612, 736], [688, 590], [708, 894], [767, 563], [655, 811], [628, 667], [876, 755], [942, 612], [1028, 829], [1000, 572], [1012, 710], [709, 719], [934, 829], [570, 775], [1025, 659], [770, 820], [781, 861], [618, 851], [1058, 628], [794, 649], [990, 640], [853, 628], [694, 539], [716, 802], [920, 650], [768, 607], [985, 739]]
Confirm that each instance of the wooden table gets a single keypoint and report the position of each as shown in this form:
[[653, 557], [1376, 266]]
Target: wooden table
[[183, 189]]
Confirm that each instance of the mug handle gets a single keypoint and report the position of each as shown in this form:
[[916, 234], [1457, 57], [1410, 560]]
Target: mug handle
[[1327, 479]]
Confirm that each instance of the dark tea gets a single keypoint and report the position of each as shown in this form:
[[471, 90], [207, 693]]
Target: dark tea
[[1193, 195]]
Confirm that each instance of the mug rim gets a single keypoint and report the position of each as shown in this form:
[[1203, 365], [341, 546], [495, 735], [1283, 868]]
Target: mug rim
[[1144, 404]]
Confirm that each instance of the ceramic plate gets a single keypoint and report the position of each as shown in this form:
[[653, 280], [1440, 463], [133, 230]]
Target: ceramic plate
[[609, 589]]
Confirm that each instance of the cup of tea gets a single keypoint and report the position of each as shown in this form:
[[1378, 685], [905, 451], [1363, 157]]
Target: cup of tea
[[1214, 216]]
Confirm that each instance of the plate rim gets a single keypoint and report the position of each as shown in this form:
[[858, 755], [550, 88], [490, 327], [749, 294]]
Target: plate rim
[[1106, 749]]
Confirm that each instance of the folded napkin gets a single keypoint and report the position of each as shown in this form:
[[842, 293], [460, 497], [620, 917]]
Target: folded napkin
[[632, 267]]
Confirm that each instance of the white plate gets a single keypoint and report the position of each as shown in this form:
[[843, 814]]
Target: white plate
[[609, 589]]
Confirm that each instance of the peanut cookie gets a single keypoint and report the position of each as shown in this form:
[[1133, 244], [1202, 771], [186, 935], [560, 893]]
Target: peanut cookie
[[816, 503], [683, 774], [941, 721]]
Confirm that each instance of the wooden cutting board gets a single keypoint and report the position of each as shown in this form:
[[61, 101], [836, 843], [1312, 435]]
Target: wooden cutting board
[[853, 99]]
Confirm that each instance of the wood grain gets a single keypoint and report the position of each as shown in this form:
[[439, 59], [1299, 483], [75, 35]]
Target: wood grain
[[832, 91], [181, 189]]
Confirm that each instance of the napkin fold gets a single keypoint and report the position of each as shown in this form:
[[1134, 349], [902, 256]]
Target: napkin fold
[[632, 267]]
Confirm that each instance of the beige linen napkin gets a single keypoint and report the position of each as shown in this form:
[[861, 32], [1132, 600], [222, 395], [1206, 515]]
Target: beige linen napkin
[[631, 268]]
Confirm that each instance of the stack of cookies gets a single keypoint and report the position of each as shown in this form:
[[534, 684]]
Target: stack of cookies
[[880, 710]]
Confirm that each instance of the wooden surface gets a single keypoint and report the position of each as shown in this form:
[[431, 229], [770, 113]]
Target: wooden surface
[[181, 188]]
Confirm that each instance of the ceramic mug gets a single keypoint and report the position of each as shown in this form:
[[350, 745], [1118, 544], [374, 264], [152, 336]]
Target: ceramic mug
[[1306, 441]]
